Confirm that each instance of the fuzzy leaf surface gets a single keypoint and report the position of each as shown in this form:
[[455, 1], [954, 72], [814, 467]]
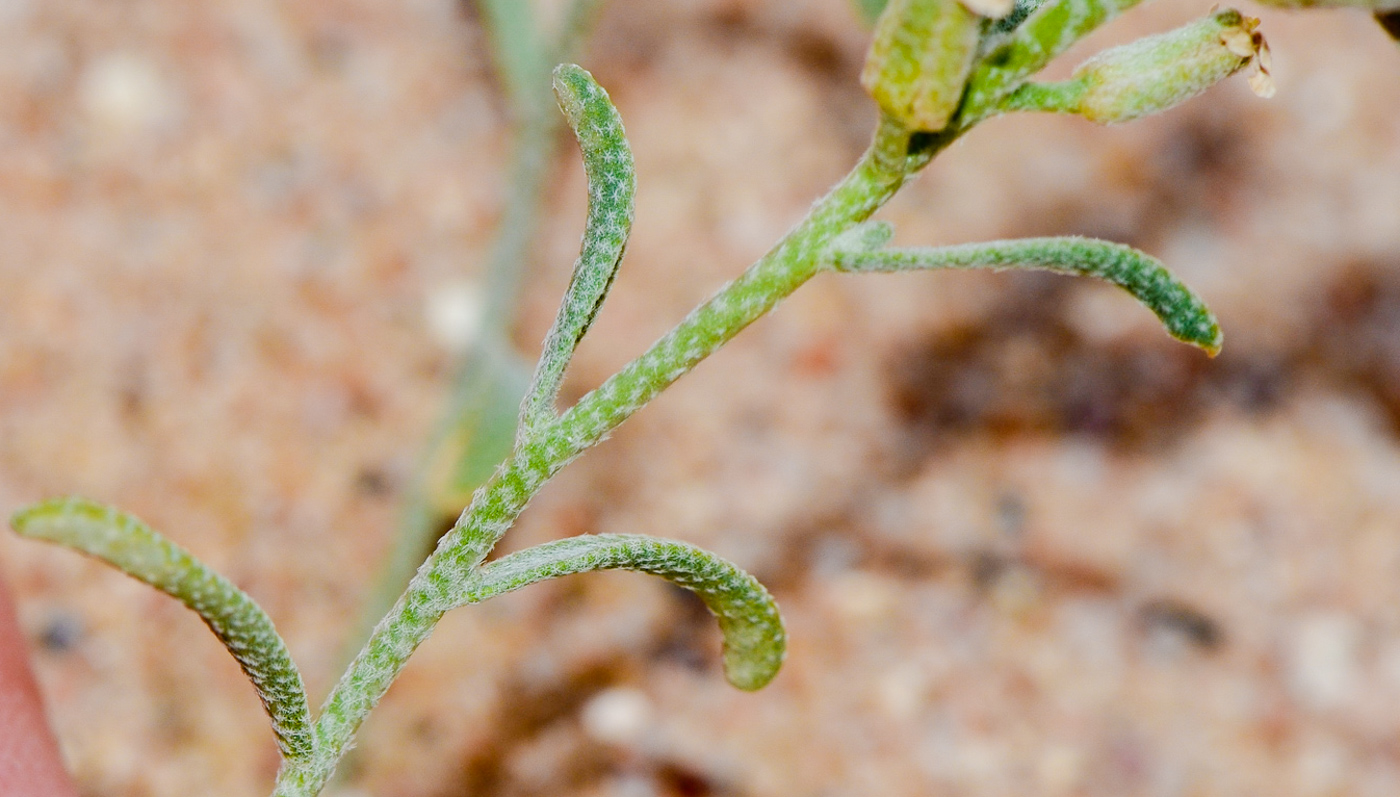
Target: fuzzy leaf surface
[[124, 542], [754, 640], [1180, 310], [612, 187]]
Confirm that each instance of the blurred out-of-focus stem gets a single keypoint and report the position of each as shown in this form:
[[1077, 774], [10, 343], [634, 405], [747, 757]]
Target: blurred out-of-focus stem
[[477, 428]]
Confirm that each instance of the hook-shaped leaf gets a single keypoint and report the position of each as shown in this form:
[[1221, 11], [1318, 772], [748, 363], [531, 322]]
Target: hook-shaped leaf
[[131, 546], [754, 639], [1183, 313], [612, 185]]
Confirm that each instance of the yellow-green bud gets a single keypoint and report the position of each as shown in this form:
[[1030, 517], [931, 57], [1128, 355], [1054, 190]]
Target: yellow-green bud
[[920, 59], [1158, 72]]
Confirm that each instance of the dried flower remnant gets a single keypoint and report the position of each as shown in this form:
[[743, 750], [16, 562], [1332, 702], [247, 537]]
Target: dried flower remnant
[[1246, 41]]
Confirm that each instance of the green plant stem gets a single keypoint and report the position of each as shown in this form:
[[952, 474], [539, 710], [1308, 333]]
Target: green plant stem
[[491, 360], [496, 505]]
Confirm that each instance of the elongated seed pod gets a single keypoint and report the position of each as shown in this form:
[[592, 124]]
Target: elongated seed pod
[[919, 61], [1159, 72], [1053, 27], [1155, 73], [754, 640], [132, 547], [612, 186], [1183, 313]]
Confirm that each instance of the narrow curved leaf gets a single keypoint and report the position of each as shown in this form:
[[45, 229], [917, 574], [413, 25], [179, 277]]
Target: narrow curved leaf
[[612, 185], [1183, 313], [754, 639], [129, 545]]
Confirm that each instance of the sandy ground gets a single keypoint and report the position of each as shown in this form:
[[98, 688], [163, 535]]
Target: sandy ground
[[1025, 543]]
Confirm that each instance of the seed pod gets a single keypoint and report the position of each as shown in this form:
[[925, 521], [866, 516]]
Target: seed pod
[[1159, 72], [920, 59]]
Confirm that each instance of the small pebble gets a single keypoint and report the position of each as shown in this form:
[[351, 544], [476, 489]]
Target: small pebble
[[454, 313], [619, 715]]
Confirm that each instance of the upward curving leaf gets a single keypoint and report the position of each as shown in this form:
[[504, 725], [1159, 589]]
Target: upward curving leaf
[[612, 187], [754, 640], [131, 546], [1183, 313]]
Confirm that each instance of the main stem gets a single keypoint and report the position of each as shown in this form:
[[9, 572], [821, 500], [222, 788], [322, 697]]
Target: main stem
[[436, 587]]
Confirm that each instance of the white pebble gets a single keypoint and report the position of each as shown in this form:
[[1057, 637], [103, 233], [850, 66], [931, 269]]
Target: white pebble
[[1323, 667], [619, 715], [123, 94], [454, 315]]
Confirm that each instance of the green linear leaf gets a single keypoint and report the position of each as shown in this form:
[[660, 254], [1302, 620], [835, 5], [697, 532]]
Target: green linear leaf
[[131, 546], [1183, 313], [754, 640], [612, 186]]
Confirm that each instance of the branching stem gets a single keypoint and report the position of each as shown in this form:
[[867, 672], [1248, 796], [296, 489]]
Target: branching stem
[[435, 588]]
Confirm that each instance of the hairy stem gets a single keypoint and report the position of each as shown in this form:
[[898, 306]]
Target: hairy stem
[[471, 438], [437, 586]]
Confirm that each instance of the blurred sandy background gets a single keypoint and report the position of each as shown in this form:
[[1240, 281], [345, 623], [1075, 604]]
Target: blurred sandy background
[[1025, 543]]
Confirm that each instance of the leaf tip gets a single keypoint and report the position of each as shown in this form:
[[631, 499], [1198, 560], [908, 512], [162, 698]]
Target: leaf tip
[[751, 670], [755, 644], [1203, 331]]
